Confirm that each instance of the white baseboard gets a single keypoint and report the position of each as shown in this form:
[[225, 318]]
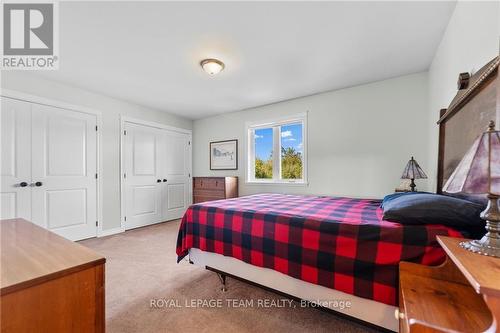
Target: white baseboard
[[109, 232]]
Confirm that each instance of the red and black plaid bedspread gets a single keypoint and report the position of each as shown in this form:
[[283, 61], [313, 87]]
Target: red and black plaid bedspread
[[339, 243]]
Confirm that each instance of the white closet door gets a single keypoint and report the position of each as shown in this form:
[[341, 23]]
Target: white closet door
[[143, 179], [15, 193], [64, 166], [177, 189]]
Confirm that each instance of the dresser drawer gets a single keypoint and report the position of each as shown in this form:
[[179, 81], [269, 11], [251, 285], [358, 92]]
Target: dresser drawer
[[203, 198], [209, 183], [209, 193]]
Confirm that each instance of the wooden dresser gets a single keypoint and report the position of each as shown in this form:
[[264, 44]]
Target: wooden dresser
[[461, 295], [214, 188], [48, 283]]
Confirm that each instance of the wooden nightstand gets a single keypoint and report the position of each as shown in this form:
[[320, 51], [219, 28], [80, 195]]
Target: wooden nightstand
[[461, 295]]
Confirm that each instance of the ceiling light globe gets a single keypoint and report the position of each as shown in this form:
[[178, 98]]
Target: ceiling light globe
[[212, 66]]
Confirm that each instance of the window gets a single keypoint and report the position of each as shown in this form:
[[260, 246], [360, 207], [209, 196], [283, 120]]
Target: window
[[276, 151]]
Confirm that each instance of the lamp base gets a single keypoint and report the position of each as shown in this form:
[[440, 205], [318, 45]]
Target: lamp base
[[489, 245], [485, 246], [413, 185]]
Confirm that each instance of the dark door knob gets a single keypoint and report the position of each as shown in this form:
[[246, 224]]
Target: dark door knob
[[158, 180], [38, 184], [23, 184], [164, 180]]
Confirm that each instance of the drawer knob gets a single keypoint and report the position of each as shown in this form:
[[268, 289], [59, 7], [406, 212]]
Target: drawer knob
[[398, 314]]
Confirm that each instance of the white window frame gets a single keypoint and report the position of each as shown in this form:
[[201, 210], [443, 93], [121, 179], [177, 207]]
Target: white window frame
[[276, 125]]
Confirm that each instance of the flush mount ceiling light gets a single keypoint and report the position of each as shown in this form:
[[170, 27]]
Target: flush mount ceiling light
[[212, 66]]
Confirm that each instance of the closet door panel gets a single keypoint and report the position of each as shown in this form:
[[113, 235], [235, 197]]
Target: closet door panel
[[178, 185], [64, 167], [15, 193], [142, 151]]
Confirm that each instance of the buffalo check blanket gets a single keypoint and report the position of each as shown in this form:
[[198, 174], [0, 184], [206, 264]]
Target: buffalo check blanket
[[339, 243]]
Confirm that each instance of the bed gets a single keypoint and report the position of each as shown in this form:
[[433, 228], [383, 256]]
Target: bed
[[334, 242], [339, 243], [327, 249]]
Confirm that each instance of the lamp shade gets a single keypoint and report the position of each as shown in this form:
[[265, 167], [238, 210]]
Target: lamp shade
[[413, 171], [479, 170]]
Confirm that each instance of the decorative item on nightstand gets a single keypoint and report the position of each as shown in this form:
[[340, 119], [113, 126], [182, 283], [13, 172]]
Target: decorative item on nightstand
[[413, 171], [479, 173]]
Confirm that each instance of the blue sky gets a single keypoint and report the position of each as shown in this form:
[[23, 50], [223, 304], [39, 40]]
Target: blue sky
[[291, 136]]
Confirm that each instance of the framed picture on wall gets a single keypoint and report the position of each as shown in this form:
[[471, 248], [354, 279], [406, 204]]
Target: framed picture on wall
[[224, 155]]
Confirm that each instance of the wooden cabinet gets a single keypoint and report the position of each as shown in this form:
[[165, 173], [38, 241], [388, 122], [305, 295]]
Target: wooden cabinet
[[48, 283], [461, 295], [214, 188]]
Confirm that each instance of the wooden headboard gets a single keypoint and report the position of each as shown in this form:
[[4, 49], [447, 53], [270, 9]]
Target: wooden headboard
[[476, 103]]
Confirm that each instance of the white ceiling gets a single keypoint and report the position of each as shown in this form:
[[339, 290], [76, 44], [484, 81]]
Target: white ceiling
[[148, 53]]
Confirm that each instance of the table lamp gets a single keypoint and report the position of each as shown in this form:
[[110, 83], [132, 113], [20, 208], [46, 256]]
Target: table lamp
[[413, 171], [479, 173]]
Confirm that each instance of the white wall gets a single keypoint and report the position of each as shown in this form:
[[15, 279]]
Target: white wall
[[360, 138], [111, 110], [470, 41]]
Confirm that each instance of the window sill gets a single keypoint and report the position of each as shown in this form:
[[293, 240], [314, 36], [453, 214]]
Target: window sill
[[278, 182]]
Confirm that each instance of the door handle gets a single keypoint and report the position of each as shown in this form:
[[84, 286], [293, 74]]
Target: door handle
[[23, 184], [164, 180], [158, 180]]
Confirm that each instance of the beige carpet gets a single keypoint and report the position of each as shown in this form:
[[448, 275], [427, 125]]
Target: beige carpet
[[141, 265]]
